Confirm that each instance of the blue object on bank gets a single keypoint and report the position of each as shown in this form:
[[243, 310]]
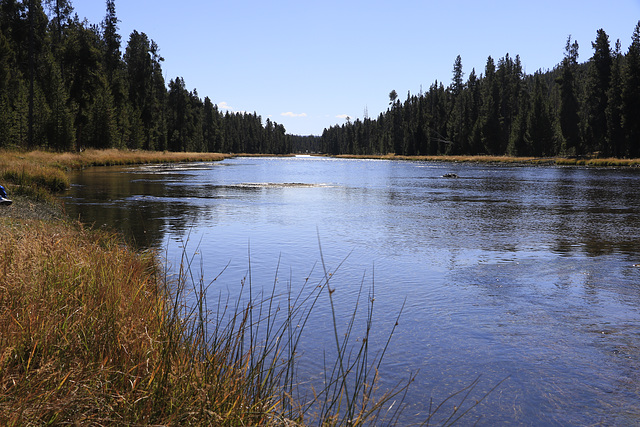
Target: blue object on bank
[[3, 197]]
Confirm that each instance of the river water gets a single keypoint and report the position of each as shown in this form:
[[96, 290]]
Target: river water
[[523, 277]]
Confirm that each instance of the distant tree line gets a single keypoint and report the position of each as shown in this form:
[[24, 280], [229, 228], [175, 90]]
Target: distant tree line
[[574, 109], [66, 84]]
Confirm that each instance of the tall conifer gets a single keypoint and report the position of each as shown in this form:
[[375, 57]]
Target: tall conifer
[[631, 95], [615, 137], [599, 79], [569, 118]]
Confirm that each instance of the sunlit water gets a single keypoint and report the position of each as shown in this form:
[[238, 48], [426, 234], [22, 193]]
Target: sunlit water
[[529, 275]]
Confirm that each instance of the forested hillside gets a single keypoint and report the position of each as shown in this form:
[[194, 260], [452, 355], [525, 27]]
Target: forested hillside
[[66, 84], [575, 109]]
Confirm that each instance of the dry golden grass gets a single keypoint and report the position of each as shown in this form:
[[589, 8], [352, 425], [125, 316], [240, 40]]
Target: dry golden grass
[[35, 173], [604, 162], [25, 172], [103, 157], [122, 157], [88, 337], [444, 158], [505, 159], [79, 320]]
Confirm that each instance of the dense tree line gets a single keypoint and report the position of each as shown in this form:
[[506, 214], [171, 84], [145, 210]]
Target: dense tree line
[[574, 109], [66, 84]]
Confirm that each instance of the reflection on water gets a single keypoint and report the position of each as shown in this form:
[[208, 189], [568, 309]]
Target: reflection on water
[[518, 272]]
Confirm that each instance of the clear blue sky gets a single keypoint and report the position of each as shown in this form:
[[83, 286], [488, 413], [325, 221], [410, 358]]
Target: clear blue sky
[[309, 64]]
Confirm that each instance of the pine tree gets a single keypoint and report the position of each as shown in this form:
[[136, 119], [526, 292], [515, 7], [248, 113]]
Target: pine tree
[[518, 141], [7, 74], [615, 136], [210, 126], [569, 119], [599, 79], [147, 93], [473, 86], [111, 39], [457, 84], [631, 95], [85, 75], [101, 129], [489, 119], [540, 133], [456, 121], [509, 75], [60, 134]]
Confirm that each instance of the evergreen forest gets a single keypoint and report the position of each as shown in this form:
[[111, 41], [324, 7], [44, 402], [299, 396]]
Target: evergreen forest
[[576, 109], [66, 84]]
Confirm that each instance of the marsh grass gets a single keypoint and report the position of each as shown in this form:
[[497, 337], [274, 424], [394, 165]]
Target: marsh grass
[[46, 170], [445, 158], [93, 333], [602, 162], [560, 161], [23, 172]]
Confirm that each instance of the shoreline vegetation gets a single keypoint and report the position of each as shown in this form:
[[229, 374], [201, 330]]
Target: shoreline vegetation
[[93, 331], [36, 174], [550, 161]]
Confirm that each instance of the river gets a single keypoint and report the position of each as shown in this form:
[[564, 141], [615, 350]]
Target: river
[[524, 277]]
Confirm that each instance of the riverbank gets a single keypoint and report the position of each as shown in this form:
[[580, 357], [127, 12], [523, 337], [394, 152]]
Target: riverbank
[[560, 161], [32, 171], [88, 326]]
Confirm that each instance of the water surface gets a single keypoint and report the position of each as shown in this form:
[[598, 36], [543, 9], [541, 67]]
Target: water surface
[[519, 272]]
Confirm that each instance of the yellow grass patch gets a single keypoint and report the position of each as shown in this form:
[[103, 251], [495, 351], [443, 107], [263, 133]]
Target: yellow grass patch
[[46, 170], [88, 337], [504, 159]]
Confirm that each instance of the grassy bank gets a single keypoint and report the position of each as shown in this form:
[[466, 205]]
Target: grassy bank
[[81, 326], [90, 335], [36, 173], [561, 161]]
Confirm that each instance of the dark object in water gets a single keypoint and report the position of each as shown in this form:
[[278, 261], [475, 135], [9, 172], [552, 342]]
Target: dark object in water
[[450, 175], [4, 201]]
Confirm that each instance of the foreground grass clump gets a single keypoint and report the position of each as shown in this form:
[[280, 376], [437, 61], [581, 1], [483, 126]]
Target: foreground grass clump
[[80, 326], [87, 337]]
